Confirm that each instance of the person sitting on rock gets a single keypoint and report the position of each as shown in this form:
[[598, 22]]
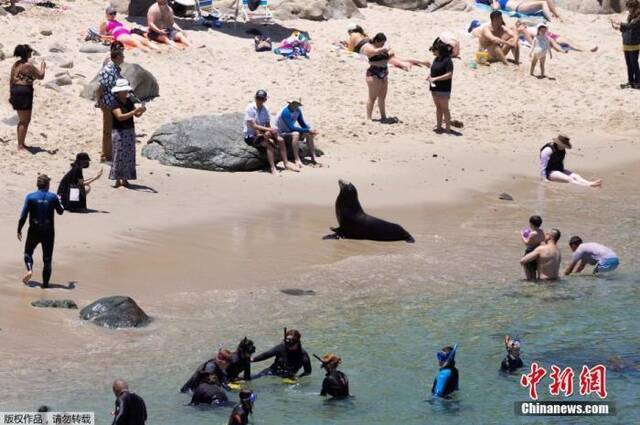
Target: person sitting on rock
[[293, 129], [162, 26]]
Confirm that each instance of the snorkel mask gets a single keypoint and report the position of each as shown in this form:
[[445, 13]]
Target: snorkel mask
[[247, 396], [446, 358], [514, 347]]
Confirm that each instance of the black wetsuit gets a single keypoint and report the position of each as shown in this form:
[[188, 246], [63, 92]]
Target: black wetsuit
[[237, 365], [72, 180], [39, 207], [239, 415], [287, 362], [209, 394], [130, 410], [511, 364], [335, 384]]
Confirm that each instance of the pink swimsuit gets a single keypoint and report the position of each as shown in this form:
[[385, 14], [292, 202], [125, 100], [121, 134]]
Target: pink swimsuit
[[116, 29]]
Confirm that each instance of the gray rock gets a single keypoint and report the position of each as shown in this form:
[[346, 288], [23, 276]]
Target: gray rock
[[94, 48], [316, 10], [298, 292], [57, 48], [593, 6], [362, 4], [429, 5], [208, 143], [63, 79], [67, 64], [46, 33], [115, 312], [139, 7], [2, 55], [70, 304], [505, 197], [145, 86]]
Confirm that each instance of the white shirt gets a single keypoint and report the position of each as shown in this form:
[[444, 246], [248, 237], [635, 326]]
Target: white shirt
[[544, 161], [260, 116]]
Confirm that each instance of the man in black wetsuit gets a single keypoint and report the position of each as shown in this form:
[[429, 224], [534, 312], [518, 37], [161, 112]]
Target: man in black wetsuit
[[289, 358], [512, 361], [39, 207], [235, 364], [240, 413], [130, 407], [335, 383], [209, 392]]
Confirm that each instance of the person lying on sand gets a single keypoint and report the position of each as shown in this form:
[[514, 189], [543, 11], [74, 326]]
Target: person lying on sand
[[114, 28], [357, 39], [498, 39], [163, 27], [547, 256], [525, 7], [552, 164]]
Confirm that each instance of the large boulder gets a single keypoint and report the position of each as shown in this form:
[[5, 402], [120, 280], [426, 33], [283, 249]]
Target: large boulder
[[593, 6], [115, 312], [139, 7], [316, 10], [212, 143], [429, 5], [145, 86]]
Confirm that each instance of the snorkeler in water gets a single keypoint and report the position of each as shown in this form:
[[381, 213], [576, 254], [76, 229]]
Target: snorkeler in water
[[289, 355], [512, 361], [241, 412], [446, 381], [209, 392], [335, 383]]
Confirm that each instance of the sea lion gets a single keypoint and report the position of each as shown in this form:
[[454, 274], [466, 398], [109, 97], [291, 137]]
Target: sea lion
[[354, 223]]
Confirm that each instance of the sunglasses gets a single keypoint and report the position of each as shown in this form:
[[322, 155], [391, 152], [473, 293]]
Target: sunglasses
[[112, 13]]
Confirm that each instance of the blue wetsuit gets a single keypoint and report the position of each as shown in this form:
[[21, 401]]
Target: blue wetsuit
[[39, 207], [446, 382]]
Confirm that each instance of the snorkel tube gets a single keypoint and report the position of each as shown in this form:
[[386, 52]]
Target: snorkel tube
[[446, 358]]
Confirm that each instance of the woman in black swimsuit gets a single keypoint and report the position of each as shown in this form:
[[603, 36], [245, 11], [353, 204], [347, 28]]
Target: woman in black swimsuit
[[23, 74], [377, 74]]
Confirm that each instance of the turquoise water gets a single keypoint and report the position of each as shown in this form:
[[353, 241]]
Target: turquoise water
[[386, 315]]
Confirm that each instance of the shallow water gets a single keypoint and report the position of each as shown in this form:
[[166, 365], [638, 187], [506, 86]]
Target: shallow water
[[386, 313]]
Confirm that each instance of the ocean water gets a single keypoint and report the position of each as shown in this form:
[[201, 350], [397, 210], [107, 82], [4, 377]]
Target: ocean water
[[386, 314]]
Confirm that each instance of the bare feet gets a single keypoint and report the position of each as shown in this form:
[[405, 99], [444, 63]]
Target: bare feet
[[27, 277], [316, 164], [299, 164], [274, 171], [291, 168], [597, 183]]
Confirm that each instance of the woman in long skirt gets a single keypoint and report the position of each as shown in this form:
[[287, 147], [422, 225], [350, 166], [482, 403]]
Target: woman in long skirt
[[123, 135]]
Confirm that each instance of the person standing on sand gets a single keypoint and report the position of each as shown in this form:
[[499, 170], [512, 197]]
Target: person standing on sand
[[498, 39], [39, 207], [109, 74], [377, 75], [163, 27], [600, 256], [130, 407], [23, 74], [631, 43], [552, 164], [542, 45], [440, 80], [547, 256], [123, 133]]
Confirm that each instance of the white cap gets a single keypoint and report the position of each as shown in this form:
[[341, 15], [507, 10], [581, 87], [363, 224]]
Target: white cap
[[121, 85]]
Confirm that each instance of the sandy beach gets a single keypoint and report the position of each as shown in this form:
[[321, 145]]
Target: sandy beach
[[245, 231]]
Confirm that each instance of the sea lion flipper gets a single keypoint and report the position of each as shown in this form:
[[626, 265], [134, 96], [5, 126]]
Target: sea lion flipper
[[331, 236]]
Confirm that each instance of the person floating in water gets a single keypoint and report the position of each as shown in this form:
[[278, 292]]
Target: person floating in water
[[209, 392], [335, 383], [512, 361], [235, 364], [130, 407], [600, 256], [289, 358], [241, 412], [446, 381], [532, 238], [39, 207]]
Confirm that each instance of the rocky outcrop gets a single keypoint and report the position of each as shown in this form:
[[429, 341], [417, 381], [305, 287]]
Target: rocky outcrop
[[212, 143], [115, 312], [139, 7], [315, 10], [145, 86]]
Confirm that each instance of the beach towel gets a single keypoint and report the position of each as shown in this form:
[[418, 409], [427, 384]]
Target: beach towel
[[509, 13]]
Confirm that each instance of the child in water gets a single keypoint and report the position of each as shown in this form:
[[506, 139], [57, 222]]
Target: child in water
[[512, 361], [446, 381], [532, 238], [541, 46]]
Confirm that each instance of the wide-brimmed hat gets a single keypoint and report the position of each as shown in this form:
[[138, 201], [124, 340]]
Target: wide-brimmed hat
[[297, 101], [121, 85], [563, 140]]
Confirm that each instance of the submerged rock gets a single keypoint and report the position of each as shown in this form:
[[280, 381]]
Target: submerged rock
[[115, 312], [213, 142], [298, 292], [70, 304]]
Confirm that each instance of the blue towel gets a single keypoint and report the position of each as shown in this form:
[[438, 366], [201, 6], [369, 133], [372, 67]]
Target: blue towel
[[509, 13]]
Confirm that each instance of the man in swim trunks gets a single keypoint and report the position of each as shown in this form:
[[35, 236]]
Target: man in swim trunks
[[39, 207], [163, 27], [600, 256], [548, 257], [498, 39]]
